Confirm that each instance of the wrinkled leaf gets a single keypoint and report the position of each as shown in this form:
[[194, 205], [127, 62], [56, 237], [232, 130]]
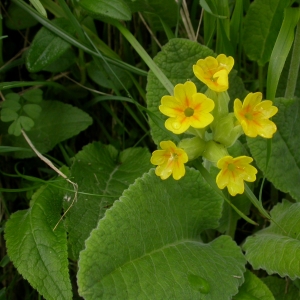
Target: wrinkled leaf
[[105, 173], [147, 246], [39, 253], [283, 169], [276, 248]]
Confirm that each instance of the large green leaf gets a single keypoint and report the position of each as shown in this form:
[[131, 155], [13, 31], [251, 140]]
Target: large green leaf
[[253, 289], [47, 47], [276, 248], [102, 171], [148, 245], [176, 60], [281, 288], [116, 9], [56, 122], [261, 28], [283, 169], [39, 253]]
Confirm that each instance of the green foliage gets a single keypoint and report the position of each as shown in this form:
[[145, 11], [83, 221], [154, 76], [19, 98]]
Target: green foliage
[[47, 47], [56, 123], [123, 260], [253, 288], [39, 253], [81, 83], [261, 28], [116, 9], [282, 169], [103, 174], [279, 240]]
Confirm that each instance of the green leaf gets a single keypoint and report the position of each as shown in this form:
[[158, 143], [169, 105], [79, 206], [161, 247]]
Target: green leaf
[[147, 246], [276, 248], [176, 60], [32, 110], [12, 105], [11, 97], [57, 122], [281, 288], [281, 49], [116, 9], [101, 171], [261, 28], [18, 19], [33, 96], [106, 77], [155, 10], [26, 122], [8, 115], [253, 289], [39, 253], [15, 128], [39, 7], [284, 164], [63, 63], [47, 47]]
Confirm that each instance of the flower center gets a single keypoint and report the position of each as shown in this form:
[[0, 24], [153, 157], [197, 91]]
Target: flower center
[[231, 167], [248, 116], [174, 156], [188, 112]]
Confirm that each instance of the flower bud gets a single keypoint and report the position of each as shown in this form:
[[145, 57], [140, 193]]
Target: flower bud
[[225, 131], [214, 151]]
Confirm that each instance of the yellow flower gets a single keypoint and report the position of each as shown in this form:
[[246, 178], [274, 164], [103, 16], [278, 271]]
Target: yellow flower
[[214, 71], [169, 160], [254, 115], [186, 108], [233, 173]]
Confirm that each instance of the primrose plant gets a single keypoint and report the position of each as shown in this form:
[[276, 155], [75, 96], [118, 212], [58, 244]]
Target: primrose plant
[[207, 117]]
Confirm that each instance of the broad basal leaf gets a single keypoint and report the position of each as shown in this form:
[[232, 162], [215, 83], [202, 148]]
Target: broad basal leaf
[[39, 253], [176, 60], [261, 28], [253, 289], [276, 249], [56, 122], [47, 47], [148, 245], [103, 172], [283, 169]]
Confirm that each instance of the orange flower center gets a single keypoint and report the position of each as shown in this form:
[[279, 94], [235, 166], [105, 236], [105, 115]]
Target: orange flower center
[[188, 112]]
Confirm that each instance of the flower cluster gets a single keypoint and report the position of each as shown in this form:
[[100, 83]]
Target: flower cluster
[[212, 126]]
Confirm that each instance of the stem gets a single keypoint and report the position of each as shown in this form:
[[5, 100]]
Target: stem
[[231, 225], [294, 66]]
